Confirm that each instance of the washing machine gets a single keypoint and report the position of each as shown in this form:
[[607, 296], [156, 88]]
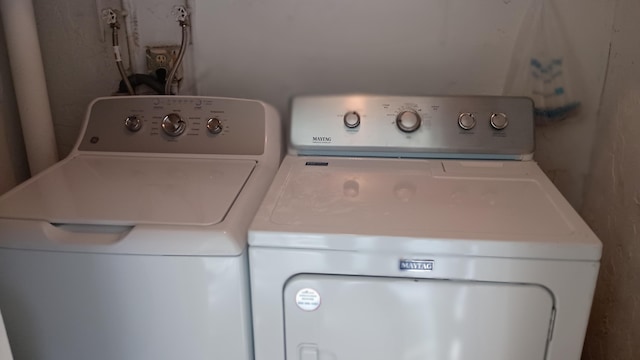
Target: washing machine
[[134, 246], [417, 228]]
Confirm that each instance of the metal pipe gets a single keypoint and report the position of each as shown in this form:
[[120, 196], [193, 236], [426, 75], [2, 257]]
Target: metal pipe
[[176, 65], [29, 83], [116, 51]]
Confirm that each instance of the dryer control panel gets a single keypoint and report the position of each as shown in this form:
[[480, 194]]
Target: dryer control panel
[[490, 127], [175, 124]]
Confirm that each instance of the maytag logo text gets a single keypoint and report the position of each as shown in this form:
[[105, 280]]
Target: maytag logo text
[[322, 139], [416, 265]]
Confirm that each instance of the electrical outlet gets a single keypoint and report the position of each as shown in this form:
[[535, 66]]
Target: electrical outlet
[[160, 60]]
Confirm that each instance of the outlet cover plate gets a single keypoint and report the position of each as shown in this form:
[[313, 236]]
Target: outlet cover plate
[[163, 58]]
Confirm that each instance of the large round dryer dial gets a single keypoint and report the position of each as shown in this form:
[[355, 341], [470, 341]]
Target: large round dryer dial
[[408, 121], [351, 119]]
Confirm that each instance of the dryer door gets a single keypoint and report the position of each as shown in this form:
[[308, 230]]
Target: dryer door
[[332, 317]]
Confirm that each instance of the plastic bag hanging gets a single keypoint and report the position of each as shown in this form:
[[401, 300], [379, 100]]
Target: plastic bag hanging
[[542, 67]]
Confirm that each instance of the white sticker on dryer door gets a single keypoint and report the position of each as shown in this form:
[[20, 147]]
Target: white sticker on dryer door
[[308, 299]]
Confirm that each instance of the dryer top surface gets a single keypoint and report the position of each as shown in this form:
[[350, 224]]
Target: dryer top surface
[[472, 207]]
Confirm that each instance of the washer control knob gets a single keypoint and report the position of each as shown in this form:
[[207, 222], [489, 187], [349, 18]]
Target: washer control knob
[[352, 119], [132, 123], [173, 125], [408, 121], [466, 121], [214, 125], [499, 121]]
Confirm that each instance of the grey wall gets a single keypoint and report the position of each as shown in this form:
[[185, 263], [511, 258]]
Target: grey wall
[[13, 160], [612, 198]]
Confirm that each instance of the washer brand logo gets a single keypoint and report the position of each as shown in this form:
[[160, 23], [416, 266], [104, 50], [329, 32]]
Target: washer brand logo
[[416, 265], [321, 139]]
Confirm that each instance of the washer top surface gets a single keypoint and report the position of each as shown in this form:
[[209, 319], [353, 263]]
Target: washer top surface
[[104, 190], [485, 208], [153, 175]]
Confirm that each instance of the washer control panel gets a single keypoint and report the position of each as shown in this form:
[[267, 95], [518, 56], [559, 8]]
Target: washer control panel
[[430, 126], [175, 124]]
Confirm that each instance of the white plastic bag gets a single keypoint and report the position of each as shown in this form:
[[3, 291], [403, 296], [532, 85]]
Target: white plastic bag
[[542, 66]]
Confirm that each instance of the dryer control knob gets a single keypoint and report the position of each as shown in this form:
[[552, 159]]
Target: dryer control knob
[[466, 121], [408, 121], [499, 121], [214, 125], [351, 119], [132, 123], [173, 125]]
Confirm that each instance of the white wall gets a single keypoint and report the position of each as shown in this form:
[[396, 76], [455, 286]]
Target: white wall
[[13, 161], [78, 65], [273, 49], [612, 199], [78, 56], [564, 149]]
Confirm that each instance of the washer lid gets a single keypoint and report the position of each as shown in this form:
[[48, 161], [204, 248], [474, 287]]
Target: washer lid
[[483, 208], [119, 190]]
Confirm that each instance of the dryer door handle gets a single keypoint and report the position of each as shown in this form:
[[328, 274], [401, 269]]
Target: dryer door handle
[[308, 352]]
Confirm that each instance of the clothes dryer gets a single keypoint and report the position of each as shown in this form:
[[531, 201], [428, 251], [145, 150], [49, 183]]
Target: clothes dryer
[[418, 228]]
